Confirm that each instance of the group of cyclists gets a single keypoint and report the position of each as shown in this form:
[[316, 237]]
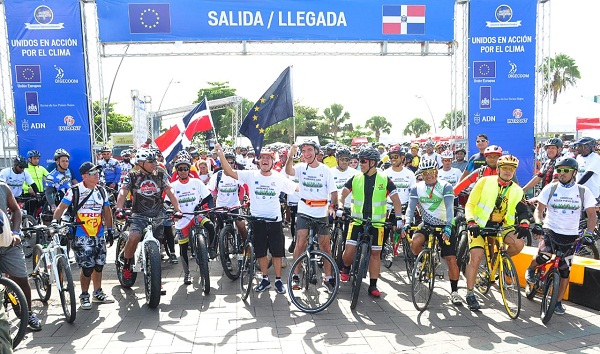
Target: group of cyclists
[[410, 186]]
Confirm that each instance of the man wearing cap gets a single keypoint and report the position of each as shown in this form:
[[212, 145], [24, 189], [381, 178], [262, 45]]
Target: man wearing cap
[[110, 168], [430, 154], [91, 207], [459, 160]]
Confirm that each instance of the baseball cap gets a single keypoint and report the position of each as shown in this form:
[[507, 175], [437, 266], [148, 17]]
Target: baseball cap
[[87, 167]]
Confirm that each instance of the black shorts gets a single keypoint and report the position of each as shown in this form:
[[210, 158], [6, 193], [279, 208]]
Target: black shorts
[[446, 250], [546, 246], [268, 234], [376, 233], [138, 224]]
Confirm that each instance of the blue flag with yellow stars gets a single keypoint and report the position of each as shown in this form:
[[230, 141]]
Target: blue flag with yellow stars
[[274, 106]]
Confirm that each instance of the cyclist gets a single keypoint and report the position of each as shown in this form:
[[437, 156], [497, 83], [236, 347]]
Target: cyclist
[[125, 164], [493, 202], [565, 202], [91, 239], [430, 154], [341, 172], [459, 160], [111, 170], [588, 173], [553, 149], [54, 165], [492, 154], [146, 186], [59, 180], [36, 171], [16, 177], [477, 160], [435, 200], [447, 172], [331, 159], [316, 186], [414, 151], [353, 163], [265, 187], [191, 195]]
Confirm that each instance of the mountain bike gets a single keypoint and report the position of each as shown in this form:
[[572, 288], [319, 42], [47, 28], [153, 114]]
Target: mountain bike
[[230, 246], [587, 251], [425, 266], [314, 294], [15, 307], [338, 239]]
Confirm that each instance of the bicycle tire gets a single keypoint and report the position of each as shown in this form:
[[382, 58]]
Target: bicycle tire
[[588, 251], [462, 255], [67, 292], [42, 278], [247, 271], [338, 246], [532, 289], [363, 265], [409, 257], [17, 312], [482, 282], [509, 286], [152, 275], [29, 238], [121, 242], [202, 259], [387, 254], [550, 295], [308, 298], [229, 254], [423, 280]]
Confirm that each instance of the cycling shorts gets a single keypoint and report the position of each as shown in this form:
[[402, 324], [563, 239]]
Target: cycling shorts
[[480, 241], [376, 233]]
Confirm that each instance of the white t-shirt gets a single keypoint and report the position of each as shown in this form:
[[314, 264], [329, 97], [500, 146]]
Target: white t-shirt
[[340, 178], [590, 163], [189, 195], [227, 193], [15, 181], [264, 192], [563, 211], [451, 176], [292, 198], [315, 184], [403, 180]]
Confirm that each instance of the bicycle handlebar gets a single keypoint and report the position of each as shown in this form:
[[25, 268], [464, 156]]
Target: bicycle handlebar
[[370, 222]]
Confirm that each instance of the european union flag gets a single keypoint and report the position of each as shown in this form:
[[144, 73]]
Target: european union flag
[[149, 18], [28, 74], [484, 69], [274, 106]]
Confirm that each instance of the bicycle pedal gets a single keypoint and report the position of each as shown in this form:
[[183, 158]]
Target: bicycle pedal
[[441, 276], [163, 292]]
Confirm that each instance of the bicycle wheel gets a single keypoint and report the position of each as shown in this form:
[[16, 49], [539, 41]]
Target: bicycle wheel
[[423, 280], [338, 245], [42, 277], [550, 295], [247, 271], [67, 289], [229, 256], [532, 289], [509, 286], [29, 238], [482, 282], [588, 251], [313, 296], [409, 257], [121, 241], [361, 272], [152, 274], [202, 258], [15, 306], [387, 253], [463, 255]]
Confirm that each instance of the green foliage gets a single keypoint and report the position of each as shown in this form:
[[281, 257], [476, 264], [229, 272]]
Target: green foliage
[[221, 118], [334, 121], [458, 119], [306, 120], [416, 127], [358, 131], [115, 122], [378, 125], [558, 73]]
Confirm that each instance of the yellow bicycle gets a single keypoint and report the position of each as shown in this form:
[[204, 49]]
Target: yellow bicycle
[[425, 266]]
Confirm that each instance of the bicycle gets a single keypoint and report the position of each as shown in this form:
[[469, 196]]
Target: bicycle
[[591, 250], [360, 263], [230, 243], [314, 295], [338, 239], [146, 259], [51, 265], [425, 266], [499, 265], [15, 306]]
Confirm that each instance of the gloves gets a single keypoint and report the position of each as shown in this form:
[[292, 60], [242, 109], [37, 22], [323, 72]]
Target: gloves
[[399, 223], [339, 213], [54, 225], [523, 229], [448, 230], [587, 239], [110, 237], [473, 228], [178, 215], [120, 215], [407, 226], [537, 229]]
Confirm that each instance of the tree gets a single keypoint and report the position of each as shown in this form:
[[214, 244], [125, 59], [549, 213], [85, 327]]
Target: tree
[[416, 127], [334, 120], [306, 121], [458, 119], [356, 132], [559, 73], [378, 125], [222, 117], [115, 122]]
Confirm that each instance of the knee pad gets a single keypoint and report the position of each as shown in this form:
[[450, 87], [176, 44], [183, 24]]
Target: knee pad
[[98, 268], [87, 272], [542, 258], [564, 273]]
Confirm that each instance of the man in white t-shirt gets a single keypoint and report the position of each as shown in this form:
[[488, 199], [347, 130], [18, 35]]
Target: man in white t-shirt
[[317, 189], [341, 172], [588, 173], [429, 154], [15, 176], [447, 172], [265, 187]]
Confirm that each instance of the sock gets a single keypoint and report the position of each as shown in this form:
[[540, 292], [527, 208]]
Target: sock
[[454, 285], [373, 283], [265, 277], [97, 291], [84, 293], [346, 269], [277, 278]]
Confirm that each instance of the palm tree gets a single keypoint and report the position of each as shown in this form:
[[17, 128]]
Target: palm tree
[[378, 125], [416, 127], [559, 73], [454, 115], [335, 119]]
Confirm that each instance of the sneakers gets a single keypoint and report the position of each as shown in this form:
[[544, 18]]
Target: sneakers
[[344, 276], [173, 259], [330, 285], [373, 291], [279, 288], [264, 285], [84, 300], [295, 282], [455, 299], [187, 278], [34, 323], [559, 309], [127, 273], [473, 303], [530, 275], [100, 296], [292, 247]]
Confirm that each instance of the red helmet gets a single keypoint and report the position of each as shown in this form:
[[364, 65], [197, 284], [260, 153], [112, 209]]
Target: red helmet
[[493, 150]]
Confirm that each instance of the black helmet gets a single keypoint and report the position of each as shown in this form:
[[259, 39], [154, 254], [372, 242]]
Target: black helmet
[[229, 155], [33, 153], [370, 154], [586, 140], [21, 161], [343, 152], [60, 152], [553, 142], [568, 162], [330, 146], [312, 143], [408, 157], [353, 156]]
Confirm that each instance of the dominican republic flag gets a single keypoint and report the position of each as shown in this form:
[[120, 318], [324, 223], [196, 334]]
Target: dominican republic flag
[[403, 19], [173, 140]]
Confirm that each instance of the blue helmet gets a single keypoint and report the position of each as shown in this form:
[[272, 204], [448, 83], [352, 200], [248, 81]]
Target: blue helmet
[[33, 153]]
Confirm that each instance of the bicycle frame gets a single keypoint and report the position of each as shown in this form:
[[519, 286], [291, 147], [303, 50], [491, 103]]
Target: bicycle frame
[[432, 244], [51, 256], [139, 258], [494, 241]]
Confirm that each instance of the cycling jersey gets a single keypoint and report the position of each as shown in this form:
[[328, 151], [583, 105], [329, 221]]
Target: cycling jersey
[[403, 180], [146, 191], [436, 204], [547, 171], [125, 168], [111, 170], [90, 212], [37, 173], [57, 182], [364, 189], [330, 161], [476, 161], [340, 178], [15, 180]]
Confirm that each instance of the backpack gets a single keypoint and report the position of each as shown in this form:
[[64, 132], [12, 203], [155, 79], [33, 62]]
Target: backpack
[[555, 186], [75, 206]]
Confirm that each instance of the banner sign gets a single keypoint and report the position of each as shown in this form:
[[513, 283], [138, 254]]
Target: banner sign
[[48, 76], [502, 78], [276, 20]]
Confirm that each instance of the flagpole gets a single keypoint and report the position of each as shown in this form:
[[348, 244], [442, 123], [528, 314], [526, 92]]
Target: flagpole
[[293, 108], [211, 120]]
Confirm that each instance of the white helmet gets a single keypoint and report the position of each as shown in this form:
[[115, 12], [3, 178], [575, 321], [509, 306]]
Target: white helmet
[[428, 164], [447, 154]]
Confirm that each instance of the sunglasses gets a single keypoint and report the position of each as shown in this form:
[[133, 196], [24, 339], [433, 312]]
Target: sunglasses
[[394, 157], [344, 159], [363, 161], [446, 160], [428, 173], [564, 170], [481, 141], [183, 169], [150, 161], [508, 168], [93, 172]]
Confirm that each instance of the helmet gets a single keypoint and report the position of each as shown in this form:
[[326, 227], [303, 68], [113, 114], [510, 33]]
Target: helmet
[[353, 156], [396, 149], [428, 164], [125, 153], [60, 153], [508, 160], [267, 152], [156, 151], [447, 154], [297, 155], [369, 154], [229, 155], [553, 142], [310, 142], [408, 157], [330, 146], [181, 160], [461, 150], [145, 155], [586, 140], [105, 149], [567, 161], [492, 149], [21, 161], [414, 146], [33, 153], [342, 152], [429, 143], [186, 155], [439, 145], [194, 153]]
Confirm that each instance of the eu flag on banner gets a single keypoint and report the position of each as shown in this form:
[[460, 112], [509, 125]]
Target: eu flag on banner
[[484, 69], [28, 74], [274, 106], [149, 18]]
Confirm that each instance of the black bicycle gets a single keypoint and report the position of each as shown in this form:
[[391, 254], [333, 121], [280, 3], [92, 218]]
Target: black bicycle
[[338, 239], [15, 307], [230, 245]]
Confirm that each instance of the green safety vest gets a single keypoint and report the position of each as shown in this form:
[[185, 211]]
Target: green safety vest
[[378, 201]]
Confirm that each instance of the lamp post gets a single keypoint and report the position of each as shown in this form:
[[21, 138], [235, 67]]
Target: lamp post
[[429, 109], [164, 94]]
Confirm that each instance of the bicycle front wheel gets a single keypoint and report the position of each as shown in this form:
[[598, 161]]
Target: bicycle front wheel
[[42, 277], [247, 271], [29, 239], [482, 282], [423, 280], [17, 313], [67, 289], [202, 260], [409, 257], [121, 242], [532, 289], [588, 251], [152, 274], [315, 293], [509, 286], [361, 272], [229, 255], [550, 295], [338, 245], [462, 254], [387, 253]]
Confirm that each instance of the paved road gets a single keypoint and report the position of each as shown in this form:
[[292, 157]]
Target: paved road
[[189, 322]]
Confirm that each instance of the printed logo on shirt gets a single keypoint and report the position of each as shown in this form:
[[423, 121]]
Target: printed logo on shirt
[[148, 188]]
